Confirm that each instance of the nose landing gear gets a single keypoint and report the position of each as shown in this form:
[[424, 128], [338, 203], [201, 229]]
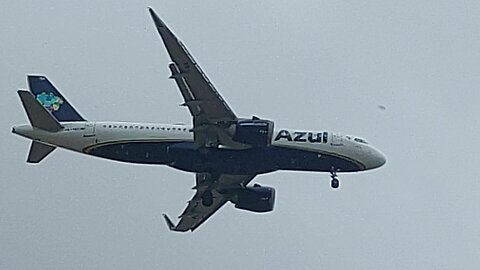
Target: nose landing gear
[[335, 183]]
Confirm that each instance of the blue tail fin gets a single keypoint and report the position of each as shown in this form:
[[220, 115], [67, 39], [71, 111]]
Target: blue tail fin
[[47, 95]]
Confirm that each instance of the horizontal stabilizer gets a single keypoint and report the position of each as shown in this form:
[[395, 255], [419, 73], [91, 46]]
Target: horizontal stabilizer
[[38, 116], [39, 151]]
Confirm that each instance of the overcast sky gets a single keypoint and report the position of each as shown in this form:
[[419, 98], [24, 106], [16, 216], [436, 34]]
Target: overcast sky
[[314, 65]]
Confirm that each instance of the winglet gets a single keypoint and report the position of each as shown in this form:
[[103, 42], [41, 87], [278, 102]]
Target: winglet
[[170, 224]]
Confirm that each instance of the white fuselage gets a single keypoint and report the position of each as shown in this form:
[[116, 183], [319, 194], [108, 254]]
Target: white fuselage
[[84, 136]]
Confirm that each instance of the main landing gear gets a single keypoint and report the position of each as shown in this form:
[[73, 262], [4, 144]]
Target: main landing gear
[[335, 183]]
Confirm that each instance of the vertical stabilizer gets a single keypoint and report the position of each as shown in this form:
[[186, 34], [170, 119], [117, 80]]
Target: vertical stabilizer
[[38, 151], [48, 96]]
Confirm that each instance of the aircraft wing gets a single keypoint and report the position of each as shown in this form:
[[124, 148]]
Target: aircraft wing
[[204, 102], [211, 113], [212, 193]]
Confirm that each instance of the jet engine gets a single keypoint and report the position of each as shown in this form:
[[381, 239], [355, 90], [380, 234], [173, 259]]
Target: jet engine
[[256, 132], [256, 199]]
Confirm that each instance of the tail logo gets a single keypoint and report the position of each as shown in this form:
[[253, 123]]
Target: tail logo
[[50, 101]]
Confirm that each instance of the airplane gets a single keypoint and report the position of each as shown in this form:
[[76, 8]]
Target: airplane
[[224, 151]]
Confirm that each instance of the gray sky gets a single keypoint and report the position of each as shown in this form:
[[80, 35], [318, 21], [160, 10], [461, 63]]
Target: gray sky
[[317, 65]]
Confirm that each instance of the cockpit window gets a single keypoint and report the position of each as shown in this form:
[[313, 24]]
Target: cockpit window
[[360, 140]]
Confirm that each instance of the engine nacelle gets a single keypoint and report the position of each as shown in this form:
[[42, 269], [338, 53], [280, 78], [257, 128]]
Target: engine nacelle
[[256, 199], [255, 132]]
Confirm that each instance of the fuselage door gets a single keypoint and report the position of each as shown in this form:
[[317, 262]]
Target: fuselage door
[[89, 129], [337, 139]]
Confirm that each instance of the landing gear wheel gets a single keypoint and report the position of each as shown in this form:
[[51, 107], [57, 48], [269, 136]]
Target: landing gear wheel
[[333, 174], [335, 183]]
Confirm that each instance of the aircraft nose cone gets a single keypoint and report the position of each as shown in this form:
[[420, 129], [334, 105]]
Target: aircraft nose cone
[[378, 159], [373, 158]]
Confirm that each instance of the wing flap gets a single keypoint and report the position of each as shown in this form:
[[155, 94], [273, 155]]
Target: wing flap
[[190, 102]]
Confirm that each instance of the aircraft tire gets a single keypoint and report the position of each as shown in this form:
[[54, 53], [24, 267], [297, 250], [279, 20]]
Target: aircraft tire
[[335, 183]]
